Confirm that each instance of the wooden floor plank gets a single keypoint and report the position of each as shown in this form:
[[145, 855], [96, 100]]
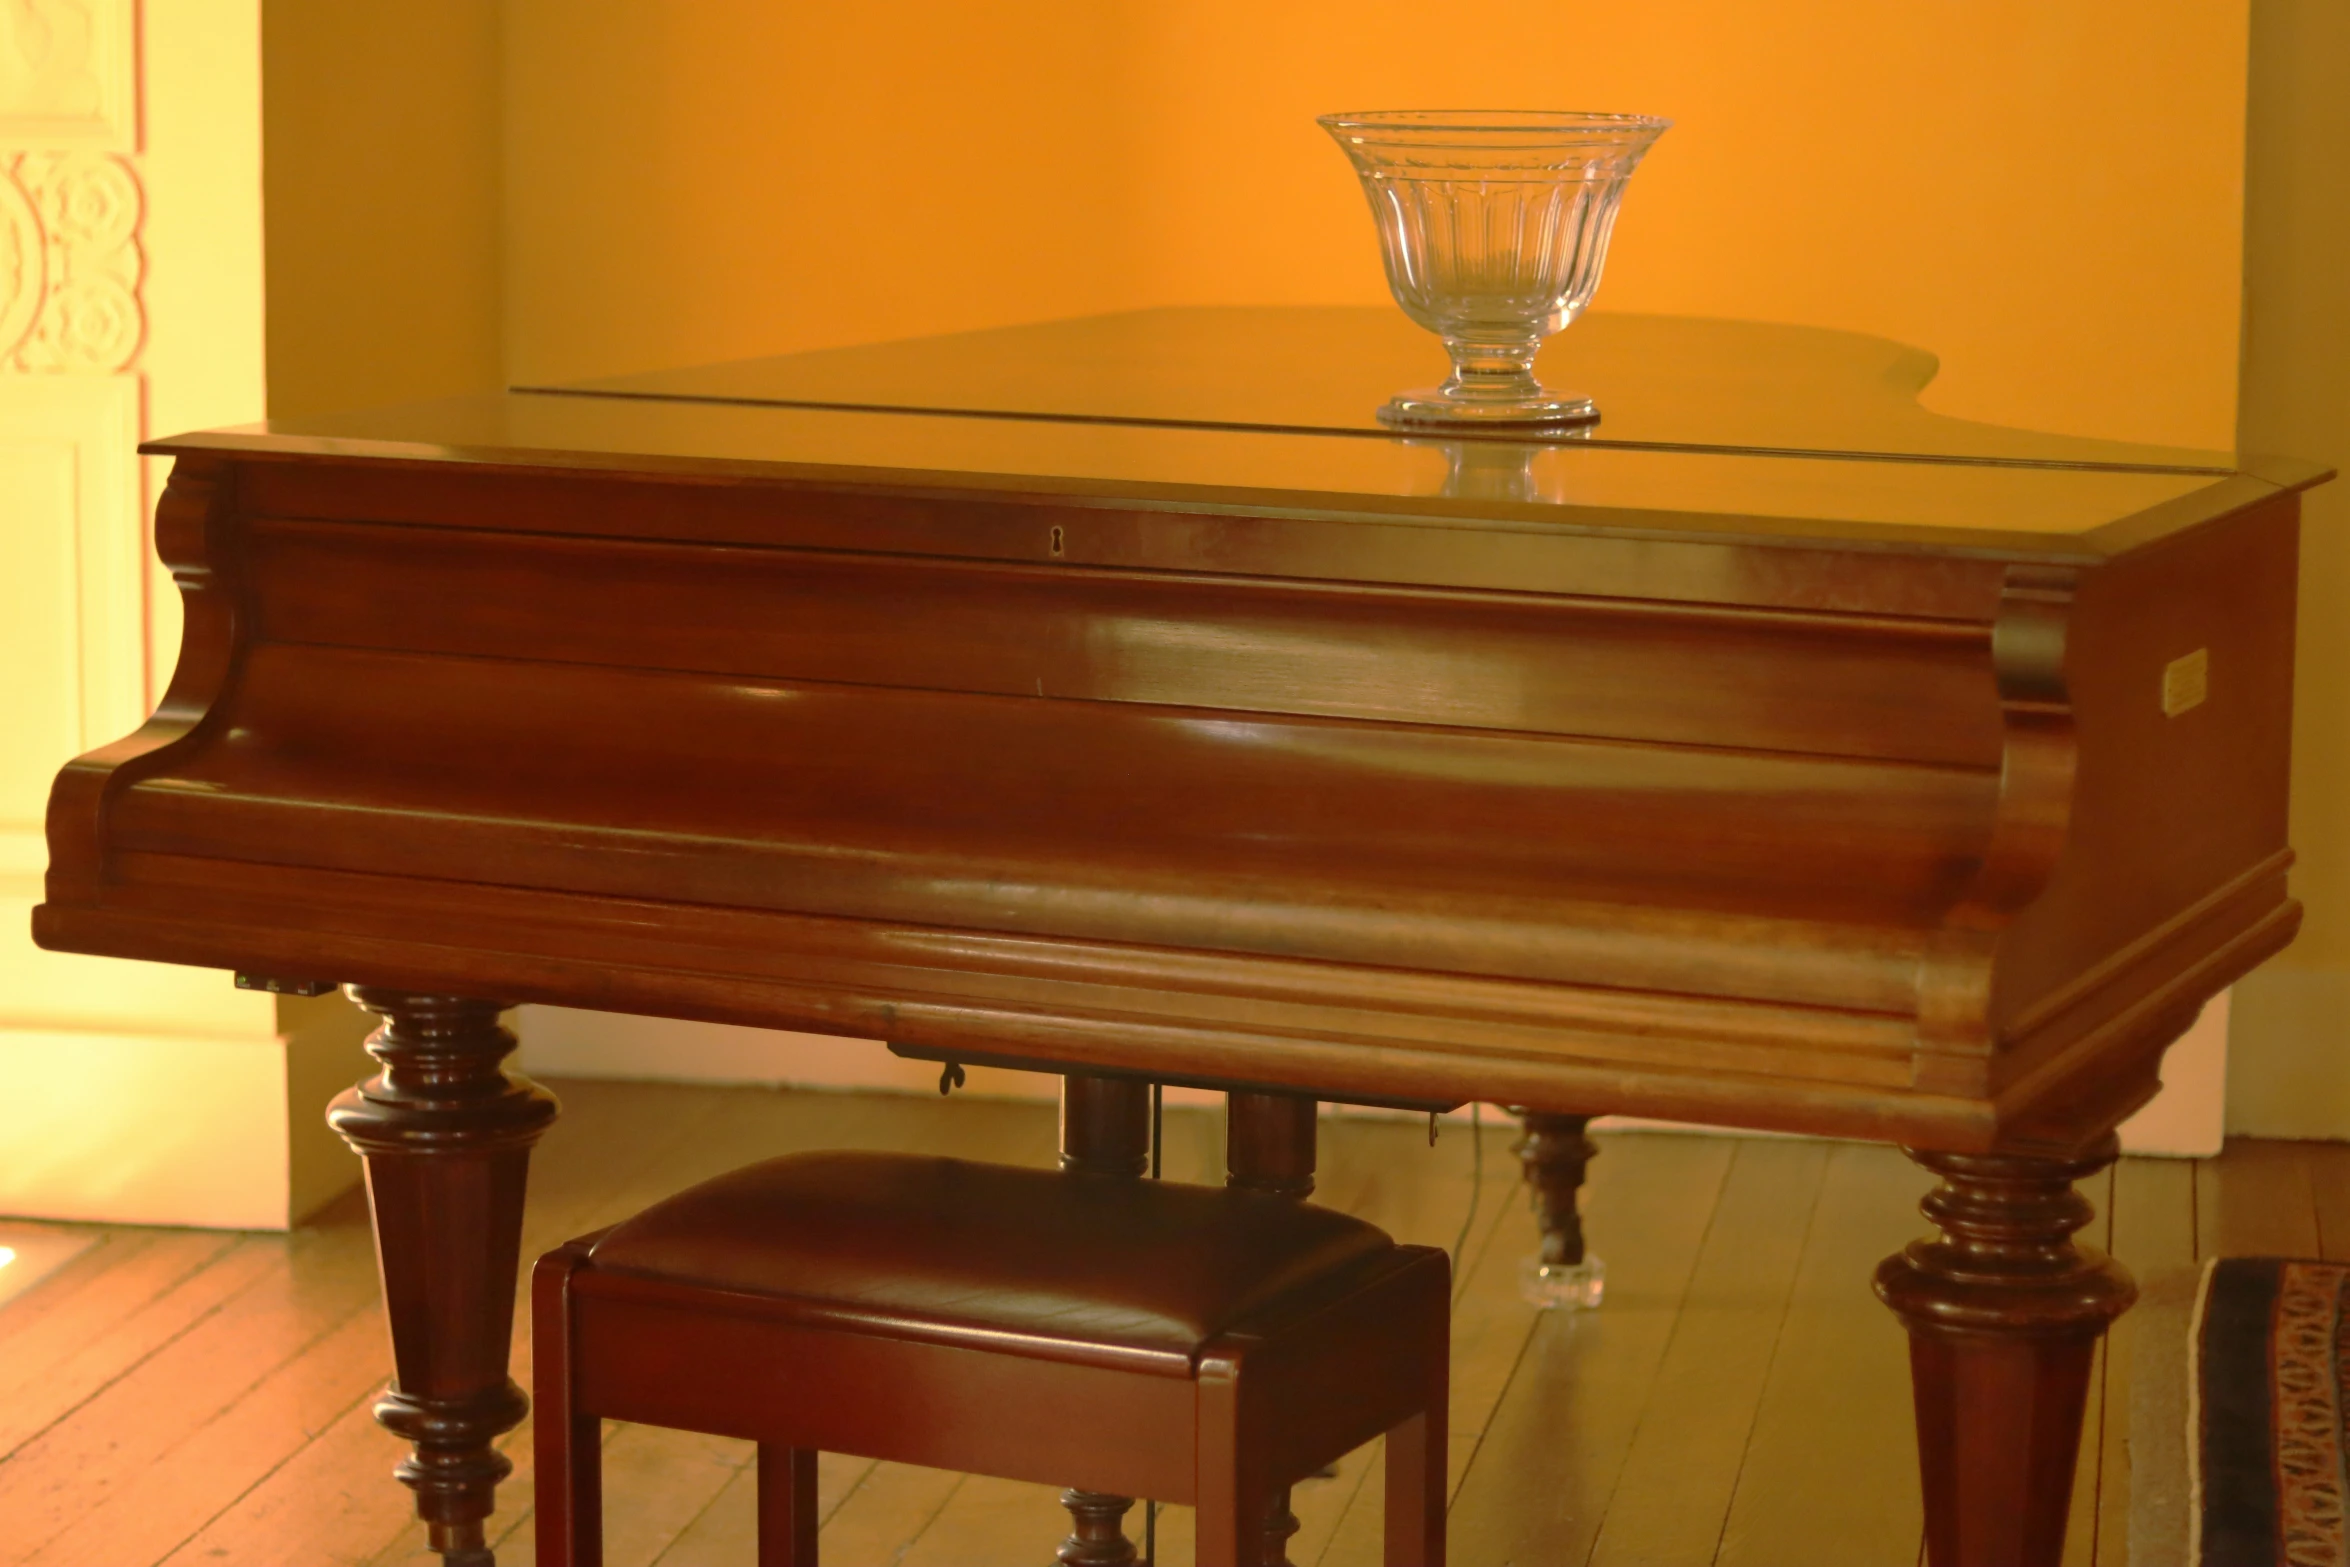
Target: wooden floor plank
[[1491, 1321], [60, 1301], [333, 1503], [165, 1503], [727, 1532], [2153, 1233], [1540, 1482], [33, 1252], [70, 1382], [889, 1511], [74, 1333], [996, 1523], [1340, 1518], [1491, 1328], [2329, 1181], [1836, 1407], [2080, 1535], [663, 1481], [183, 1415], [162, 1420], [1682, 1468]]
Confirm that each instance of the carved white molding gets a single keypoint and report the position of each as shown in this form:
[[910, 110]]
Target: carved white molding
[[70, 262], [69, 74], [72, 591]]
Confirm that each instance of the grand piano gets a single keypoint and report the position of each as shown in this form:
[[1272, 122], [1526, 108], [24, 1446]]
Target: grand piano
[[1118, 695]]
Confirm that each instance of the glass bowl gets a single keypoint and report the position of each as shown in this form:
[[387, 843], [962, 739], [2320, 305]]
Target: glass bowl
[[1493, 224]]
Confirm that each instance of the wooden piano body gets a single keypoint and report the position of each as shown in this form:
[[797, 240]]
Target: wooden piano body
[[1776, 756]]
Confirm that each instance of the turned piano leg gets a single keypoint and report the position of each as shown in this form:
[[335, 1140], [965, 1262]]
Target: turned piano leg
[[446, 1136], [1105, 1131], [2004, 1312], [1269, 1147], [1553, 1153]]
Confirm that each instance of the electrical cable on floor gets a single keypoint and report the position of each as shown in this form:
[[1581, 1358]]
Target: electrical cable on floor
[[1460, 1279]]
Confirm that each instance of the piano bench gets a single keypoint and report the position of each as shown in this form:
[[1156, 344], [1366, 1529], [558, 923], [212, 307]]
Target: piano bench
[[1192, 1344]]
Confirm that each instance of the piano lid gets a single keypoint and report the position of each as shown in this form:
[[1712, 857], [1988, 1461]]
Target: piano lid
[[1710, 429], [1669, 382]]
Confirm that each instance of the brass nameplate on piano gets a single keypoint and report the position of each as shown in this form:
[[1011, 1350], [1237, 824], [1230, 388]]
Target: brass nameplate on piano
[[2186, 681]]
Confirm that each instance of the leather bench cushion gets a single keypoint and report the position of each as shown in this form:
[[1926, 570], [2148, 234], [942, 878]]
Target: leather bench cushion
[[1144, 1265]]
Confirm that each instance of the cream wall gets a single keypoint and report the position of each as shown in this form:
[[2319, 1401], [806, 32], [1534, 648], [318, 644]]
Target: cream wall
[[131, 297], [2291, 1074]]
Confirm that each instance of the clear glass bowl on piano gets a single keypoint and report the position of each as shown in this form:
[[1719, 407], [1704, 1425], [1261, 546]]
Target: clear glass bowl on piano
[[1494, 227]]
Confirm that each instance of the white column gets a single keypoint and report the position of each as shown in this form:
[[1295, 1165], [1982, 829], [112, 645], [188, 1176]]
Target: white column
[[130, 303]]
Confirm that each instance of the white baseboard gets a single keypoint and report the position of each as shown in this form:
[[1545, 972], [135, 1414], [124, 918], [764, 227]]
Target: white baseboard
[[2289, 1070], [216, 1131]]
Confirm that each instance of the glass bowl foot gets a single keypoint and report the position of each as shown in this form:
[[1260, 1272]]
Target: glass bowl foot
[[1562, 1286], [1432, 408]]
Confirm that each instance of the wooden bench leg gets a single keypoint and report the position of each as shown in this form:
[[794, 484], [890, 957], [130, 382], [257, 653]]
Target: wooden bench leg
[[1269, 1146], [1231, 1529], [1105, 1131], [787, 1506], [1418, 1477], [1415, 1493], [1236, 1497], [568, 1486]]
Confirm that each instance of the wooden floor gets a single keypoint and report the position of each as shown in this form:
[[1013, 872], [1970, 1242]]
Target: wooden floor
[[192, 1398]]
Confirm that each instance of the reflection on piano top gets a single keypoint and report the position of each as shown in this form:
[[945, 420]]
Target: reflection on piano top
[[1710, 429], [1661, 381]]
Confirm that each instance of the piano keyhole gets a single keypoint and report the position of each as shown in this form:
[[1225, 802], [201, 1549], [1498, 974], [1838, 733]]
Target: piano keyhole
[[1056, 542]]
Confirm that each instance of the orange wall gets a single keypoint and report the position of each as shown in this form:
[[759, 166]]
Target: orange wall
[[688, 183], [380, 184], [1987, 180]]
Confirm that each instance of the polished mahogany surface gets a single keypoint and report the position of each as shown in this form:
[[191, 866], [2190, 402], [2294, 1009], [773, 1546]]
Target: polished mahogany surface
[[1661, 381], [1784, 756], [1808, 792], [1412, 486], [1213, 1373], [1135, 1273]]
